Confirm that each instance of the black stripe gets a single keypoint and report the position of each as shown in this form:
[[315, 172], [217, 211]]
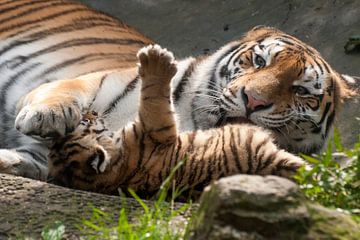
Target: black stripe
[[131, 86], [75, 144], [248, 145], [226, 160], [210, 161], [259, 158], [99, 89], [177, 151], [16, 7], [84, 23], [241, 47], [234, 151], [139, 160], [38, 157], [326, 110], [269, 160], [229, 100], [183, 82], [211, 84], [165, 162], [3, 93], [134, 130], [48, 6], [319, 66], [70, 44], [209, 173], [24, 30], [286, 41], [144, 87], [325, 65], [165, 128], [42, 20], [10, 2], [84, 59], [329, 122]]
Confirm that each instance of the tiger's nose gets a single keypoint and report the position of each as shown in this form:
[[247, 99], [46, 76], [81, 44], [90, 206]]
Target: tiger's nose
[[253, 102]]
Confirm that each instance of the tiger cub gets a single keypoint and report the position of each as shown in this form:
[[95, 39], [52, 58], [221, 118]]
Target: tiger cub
[[141, 155]]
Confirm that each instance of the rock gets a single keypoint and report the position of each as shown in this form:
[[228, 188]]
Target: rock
[[255, 207], [28, 206]]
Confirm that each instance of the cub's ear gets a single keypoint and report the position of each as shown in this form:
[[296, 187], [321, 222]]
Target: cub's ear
[[100, 160], [352, 83]]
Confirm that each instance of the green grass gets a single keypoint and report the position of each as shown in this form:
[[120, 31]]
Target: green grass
[[156, 220], [331, 184], [153, 221], [55, 232]]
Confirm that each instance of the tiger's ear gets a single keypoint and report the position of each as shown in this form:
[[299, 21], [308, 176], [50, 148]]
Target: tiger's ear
[[263, 27], [100, 160], [352, 85], [259, 31]]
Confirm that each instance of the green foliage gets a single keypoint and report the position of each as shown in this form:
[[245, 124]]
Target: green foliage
[[55, 232], [331, 183], [156, 220]]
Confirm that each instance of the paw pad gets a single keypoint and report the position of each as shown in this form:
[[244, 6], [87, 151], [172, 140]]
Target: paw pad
[[156, 61]]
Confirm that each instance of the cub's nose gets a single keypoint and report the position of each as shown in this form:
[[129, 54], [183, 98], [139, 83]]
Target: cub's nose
[[253, 102]]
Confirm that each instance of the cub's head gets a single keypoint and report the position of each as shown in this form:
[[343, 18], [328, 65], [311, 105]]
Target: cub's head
[[83, 159], [275, 81]]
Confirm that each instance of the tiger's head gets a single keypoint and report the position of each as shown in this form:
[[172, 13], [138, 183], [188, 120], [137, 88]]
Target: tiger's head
[[84, 158], [275, 81]]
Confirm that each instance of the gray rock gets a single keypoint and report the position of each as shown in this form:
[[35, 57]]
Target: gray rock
[[28, 206], [255, 207]]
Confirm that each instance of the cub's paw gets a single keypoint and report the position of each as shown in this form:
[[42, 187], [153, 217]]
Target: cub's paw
[[156, 63], [48, 121]]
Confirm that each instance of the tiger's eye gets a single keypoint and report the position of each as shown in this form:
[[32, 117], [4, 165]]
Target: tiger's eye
[[259, 61], [300, 90]]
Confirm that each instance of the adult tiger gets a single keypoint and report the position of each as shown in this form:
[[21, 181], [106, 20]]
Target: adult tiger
[[44, 41], [143, 154]]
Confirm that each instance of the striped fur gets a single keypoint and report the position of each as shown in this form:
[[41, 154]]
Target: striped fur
[[142, 155], [44, 41]]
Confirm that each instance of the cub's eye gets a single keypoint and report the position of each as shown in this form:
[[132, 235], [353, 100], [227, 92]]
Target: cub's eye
[[259, 61], [300, 90]]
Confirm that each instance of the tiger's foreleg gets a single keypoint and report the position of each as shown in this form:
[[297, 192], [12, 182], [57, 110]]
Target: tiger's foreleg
[[156, 114], [54, 109], [49, 111], [27, 161]]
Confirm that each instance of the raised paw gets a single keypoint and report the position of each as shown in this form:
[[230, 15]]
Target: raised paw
[[48, 121], [156, 64]]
